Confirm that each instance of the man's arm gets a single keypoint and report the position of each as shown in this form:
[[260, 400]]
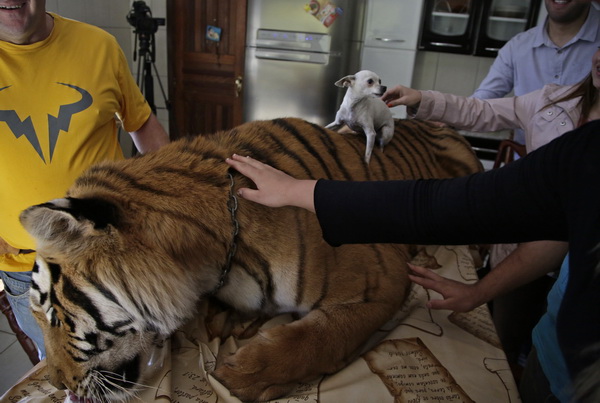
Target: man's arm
[[500, 78], [151, 136]]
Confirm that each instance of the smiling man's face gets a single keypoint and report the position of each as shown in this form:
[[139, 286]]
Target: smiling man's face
[[23, 21], [566, 11]]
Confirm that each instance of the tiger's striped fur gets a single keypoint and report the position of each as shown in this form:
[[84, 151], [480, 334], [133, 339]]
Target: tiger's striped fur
[[124, 258]]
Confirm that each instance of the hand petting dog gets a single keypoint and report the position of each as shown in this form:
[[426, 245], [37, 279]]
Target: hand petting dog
[[400, 95]]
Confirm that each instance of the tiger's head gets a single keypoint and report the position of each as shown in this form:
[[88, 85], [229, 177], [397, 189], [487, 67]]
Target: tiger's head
[[101, 315], [94, 348]]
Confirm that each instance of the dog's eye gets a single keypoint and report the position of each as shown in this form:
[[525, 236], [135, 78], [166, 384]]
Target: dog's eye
[[370, 82]]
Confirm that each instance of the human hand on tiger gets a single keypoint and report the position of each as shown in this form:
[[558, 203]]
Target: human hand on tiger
[[458, 297], [274, 188]]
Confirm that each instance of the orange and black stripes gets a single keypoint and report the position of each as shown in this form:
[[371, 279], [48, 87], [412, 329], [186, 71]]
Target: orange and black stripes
[[138, 242]]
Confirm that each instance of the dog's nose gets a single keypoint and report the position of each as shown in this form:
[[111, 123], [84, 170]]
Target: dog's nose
[[383, 89]]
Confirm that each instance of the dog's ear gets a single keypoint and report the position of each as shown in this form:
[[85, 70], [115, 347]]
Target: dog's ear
[[346, 81]]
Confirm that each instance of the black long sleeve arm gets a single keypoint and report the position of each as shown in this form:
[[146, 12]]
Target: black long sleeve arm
[[514, 204]]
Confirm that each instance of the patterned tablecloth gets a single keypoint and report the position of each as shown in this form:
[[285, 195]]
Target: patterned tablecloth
[[421, 355]]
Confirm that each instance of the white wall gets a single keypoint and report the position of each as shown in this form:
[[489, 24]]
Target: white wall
[[110, 15]]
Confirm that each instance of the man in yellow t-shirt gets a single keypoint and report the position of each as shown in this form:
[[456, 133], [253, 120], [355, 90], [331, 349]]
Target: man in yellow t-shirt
[[63, 84]]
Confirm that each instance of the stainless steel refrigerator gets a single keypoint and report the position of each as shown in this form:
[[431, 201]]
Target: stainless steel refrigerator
[[296, 50]]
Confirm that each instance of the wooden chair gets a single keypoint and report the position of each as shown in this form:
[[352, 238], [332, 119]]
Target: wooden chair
[[506, 152], [27, 344]]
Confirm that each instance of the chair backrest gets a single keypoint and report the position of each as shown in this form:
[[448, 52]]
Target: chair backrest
[[506, 152], [24, 341]]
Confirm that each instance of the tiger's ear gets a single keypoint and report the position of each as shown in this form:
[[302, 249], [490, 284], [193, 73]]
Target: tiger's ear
[[61, 222]]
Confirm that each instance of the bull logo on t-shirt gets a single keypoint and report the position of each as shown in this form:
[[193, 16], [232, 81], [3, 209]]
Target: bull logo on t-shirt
[[55, 123]]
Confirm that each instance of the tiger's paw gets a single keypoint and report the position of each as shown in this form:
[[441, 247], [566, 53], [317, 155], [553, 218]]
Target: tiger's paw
[[257, 372], [257, 392]]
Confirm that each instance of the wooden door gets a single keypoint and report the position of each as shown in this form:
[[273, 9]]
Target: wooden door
[[205, 74]]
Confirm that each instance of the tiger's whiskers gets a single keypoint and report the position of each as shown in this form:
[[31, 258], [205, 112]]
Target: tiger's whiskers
[[122, 384]]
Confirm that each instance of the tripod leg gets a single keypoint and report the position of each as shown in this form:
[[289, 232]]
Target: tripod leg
[[162, 90], [149, 85]]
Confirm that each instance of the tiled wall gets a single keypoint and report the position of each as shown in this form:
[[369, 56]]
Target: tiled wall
[[111, 16], [450, 73]]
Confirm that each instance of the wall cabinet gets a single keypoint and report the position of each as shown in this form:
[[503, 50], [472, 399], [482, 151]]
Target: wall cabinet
[[479, 27]]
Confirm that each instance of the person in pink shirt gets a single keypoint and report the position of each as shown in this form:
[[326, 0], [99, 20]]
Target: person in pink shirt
[[543, 114]]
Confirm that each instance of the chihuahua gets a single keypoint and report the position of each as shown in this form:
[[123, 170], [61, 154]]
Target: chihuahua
[[362, 110]]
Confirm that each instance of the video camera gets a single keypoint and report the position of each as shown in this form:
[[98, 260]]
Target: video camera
[[140, 17]]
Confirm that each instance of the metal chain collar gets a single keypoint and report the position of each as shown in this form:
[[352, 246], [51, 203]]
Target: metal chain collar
[[232, 206]]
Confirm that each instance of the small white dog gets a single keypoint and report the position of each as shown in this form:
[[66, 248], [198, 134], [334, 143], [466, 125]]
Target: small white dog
[[362, 110]]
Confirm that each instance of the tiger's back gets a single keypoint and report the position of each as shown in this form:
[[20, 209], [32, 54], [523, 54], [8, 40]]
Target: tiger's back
[[145, 238], [418, 150]]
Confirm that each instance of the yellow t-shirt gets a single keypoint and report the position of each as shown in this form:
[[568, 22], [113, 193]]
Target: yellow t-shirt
[[58, 103]]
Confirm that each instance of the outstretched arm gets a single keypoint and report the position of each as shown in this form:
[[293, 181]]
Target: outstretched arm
[[457, 296], [533, 192], [274, 188], [529, 261]]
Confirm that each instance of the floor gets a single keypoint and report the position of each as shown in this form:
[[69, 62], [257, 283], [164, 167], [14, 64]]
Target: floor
[[14, 363]]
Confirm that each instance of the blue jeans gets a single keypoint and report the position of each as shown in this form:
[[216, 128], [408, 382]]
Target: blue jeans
[[16, 286]]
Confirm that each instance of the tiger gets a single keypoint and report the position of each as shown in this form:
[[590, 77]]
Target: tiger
[[124, 258]]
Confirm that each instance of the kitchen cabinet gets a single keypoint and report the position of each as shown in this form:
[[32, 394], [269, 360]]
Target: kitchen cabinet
[[479, 27], [390, 42], [501, 20]]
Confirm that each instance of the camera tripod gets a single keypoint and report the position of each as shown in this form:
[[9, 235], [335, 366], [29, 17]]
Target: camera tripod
[[145, 81]]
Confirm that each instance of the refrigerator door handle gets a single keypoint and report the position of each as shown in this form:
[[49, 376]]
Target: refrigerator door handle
[[283, 45], [444, 44], [389, 40], [304, 57], [298, 41]]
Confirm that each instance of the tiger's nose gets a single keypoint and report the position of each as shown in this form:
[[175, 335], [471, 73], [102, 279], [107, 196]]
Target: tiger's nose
[[56, 379], [58, 384]]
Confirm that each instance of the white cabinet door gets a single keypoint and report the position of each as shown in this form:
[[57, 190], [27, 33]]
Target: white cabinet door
[[393, 23], [393, 66]]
